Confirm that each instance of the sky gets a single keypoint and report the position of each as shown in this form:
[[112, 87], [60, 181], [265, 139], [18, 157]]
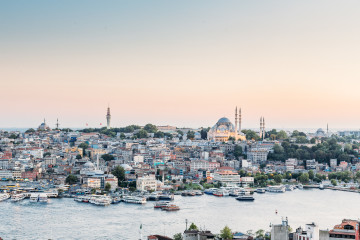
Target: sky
[[183, 63]]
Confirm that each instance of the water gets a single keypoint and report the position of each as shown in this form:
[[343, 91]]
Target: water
[[68, 219]]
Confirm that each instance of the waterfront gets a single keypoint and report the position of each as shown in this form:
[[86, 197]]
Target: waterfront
[[68, 219]]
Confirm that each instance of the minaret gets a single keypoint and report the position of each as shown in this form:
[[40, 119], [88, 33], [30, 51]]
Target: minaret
[[327, 129], [57, 123], [260, 127], [240, 121], [263, 135], [108, 118], [236, 123]]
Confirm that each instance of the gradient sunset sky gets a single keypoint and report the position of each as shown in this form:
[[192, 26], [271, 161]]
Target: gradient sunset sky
[[182, 63]]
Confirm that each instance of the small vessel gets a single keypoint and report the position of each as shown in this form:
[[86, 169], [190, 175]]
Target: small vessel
[[289, 187], [38, 197], [18, 197], [4, 196], [276, 189], [321, 187], [133, 199], [245, 198], [153, 197], [300, 186], [116, 200], [260, 190], [218, 193], [161, 204], [171, 207], [198, 193]]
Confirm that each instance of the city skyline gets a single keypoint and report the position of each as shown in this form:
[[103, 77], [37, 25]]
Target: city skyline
[[180, 63]]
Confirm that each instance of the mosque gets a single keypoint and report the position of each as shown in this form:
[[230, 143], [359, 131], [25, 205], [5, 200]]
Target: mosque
[[224, 129], [44, 127]]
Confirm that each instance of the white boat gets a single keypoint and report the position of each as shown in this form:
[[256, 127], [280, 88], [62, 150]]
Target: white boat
[[210, 191], [18, 197], [4, 196], [289, 187], [133, 199], [276, 189], [38, 197], [103, 201], [300, 186]]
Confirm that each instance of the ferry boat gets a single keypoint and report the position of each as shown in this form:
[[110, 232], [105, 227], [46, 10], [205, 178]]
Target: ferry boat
[[18, 197], [84, 199], [153, 197], [210, 191], [276, 189], [260, 190], [166, 197], [116, 200], [103, 201], [132, 199], [245, 198], [41, 198], [161, 204], [171, 207], [218, 193], [289, 187], [4, 196]]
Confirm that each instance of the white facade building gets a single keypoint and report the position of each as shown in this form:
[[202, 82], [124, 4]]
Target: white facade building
[[146, 183]]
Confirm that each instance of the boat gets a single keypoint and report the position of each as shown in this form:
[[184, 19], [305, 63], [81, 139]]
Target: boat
[[171, 207], [4, 196], [245, 198], [18, 197], [38, 197], [133, 199], [218, 193], [161, 204], [289, 187], [260, 190], [198, 193], [210, 191], [166, 197], [234, 193], [116, 200], [300, 186], [153, 197], [321, 187], [276, 189], [103, 201]]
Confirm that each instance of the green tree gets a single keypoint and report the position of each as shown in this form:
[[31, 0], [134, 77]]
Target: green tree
[[304, 178], [282, 135], [259, 233], [159, 134], [150, 128], [190, 134], [122, 136], [107, 187], [119, 172], [46, 154], [225, 233], [238, 151], [78, 157], [30, 130], [71, 179], [141, 134], [333, 182], [311, 175], [107, 157], [193, 227], [312, 140], [178, 236], [278, 178], [251, 135]]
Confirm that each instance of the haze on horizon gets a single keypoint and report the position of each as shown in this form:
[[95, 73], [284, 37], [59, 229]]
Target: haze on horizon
[[184, 63]]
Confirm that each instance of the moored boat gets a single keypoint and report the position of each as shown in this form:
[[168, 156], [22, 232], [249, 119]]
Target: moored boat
[[245, 198], [133, 199], [276, 189], [4, 196], [260, 190], [18, 197], [161, 204], [171, 207]]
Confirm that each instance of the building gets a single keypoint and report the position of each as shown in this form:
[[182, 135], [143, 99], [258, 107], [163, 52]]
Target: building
[[227, 177], [257, 155], [146, 183], [280, 231], [224, 129], [44, 127], [348, 229], [92, 182], [311, 232]]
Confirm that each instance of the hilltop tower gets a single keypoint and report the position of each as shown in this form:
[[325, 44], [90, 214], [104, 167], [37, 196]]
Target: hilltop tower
[[239, 120], [236, 121], [108, 118]]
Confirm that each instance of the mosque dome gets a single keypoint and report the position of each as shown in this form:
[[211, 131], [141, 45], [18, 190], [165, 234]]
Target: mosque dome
[[89, 165], [223, 120]]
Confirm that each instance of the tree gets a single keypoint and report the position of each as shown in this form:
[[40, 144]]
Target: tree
[[304, 178], [251, 135], [159, 134], [122, 136], [46, 154], [282, 135], [259, 233], [150, 128], [333, 182], [107, 157], [119, 172], [312, 140], [193, 227], [204, 132], [311, 175], [225, 233], [30, 130], [238, 151], [107, 187], [278, 178], [190, 134], [78, 157], [178, 236], [71, 179], [141, 134]]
